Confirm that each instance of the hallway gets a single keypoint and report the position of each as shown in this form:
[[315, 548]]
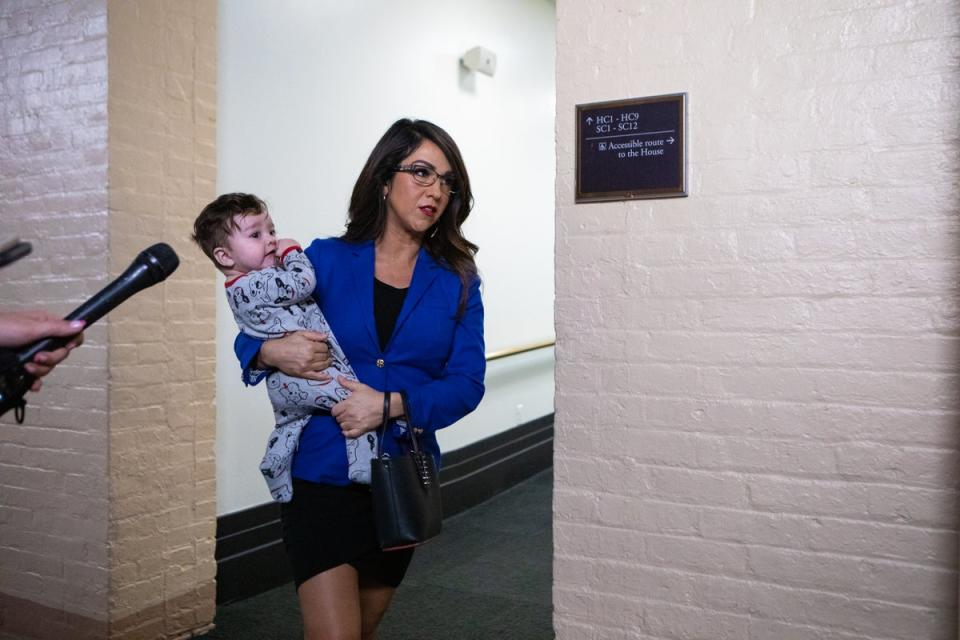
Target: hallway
[[487, 576]]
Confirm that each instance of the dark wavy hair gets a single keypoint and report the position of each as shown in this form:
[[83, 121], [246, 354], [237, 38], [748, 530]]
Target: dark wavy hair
[[368, 213]]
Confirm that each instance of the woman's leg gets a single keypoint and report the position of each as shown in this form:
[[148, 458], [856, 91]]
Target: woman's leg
[[330, 603], [374, 600]]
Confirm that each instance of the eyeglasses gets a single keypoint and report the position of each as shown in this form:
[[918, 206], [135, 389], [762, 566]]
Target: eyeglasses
[[426, 176]]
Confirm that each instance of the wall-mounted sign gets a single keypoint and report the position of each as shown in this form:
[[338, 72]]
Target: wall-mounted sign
[[630, 149]]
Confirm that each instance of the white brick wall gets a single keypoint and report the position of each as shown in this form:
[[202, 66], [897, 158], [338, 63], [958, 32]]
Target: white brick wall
[[757, 385], [107, 494], [53, 193]]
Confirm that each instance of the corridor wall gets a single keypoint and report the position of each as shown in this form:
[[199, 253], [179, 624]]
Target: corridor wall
[[107, 495], [757, 385]]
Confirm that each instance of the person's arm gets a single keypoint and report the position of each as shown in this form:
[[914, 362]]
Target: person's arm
[[437, 404], [302, 354], [297, 271], [281, 287], [460, 387], [247, 350]]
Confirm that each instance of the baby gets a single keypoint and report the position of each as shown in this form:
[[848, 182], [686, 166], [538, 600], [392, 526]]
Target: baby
[[270, 285]]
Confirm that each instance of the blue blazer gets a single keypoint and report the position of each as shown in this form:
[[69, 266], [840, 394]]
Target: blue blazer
[[434, 356]]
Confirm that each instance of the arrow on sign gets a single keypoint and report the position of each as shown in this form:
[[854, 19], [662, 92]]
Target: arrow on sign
[[671, 140], [589, 120]]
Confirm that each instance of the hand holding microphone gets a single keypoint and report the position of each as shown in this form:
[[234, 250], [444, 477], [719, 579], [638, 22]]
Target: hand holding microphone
[[151, 266], [20, 328]]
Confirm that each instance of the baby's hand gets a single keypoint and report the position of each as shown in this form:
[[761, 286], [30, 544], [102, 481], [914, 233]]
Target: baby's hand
[[285, 243]]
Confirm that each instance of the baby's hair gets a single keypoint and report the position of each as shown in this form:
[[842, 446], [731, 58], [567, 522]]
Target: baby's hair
[[217, 221]]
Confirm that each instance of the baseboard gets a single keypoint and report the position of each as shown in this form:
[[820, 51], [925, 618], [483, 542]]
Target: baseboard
[[249, 553], [250, 556], [483, 469]]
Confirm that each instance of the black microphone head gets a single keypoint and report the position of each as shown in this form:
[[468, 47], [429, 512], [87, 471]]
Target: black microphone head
[[160, 259]]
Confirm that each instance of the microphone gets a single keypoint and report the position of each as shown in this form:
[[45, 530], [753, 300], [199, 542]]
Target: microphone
[[12, 250], [153, 264]]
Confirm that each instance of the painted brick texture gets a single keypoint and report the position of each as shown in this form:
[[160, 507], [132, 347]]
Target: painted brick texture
[[107, 493], [162, 138], [53, 193], [757, 385]]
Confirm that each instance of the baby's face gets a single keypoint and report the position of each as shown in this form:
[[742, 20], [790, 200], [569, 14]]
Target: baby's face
[[253, 245]]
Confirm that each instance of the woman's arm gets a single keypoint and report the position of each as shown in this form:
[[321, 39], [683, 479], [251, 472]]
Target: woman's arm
[[434, 405], [302, 354], [460, 387]]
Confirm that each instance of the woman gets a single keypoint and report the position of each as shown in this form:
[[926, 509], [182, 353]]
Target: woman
[[401, 293]]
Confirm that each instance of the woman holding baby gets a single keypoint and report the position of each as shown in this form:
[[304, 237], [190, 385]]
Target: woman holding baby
[[401, 293]]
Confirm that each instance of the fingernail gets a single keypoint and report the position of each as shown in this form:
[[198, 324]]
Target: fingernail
[[77, 324]]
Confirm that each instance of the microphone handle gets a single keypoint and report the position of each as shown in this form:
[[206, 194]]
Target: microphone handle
[[13, 251], [93, 309]]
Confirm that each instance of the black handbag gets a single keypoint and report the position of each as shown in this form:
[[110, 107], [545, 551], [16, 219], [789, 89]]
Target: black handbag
[[406, 491]]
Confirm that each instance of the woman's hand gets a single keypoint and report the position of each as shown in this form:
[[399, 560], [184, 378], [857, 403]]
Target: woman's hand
[[20, 328], [361, 411], [302, 354], [44, 362]]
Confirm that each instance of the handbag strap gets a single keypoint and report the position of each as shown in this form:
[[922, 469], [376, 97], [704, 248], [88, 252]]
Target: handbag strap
[[412, 430], [383, 426], [423, 462], [382, 431]]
